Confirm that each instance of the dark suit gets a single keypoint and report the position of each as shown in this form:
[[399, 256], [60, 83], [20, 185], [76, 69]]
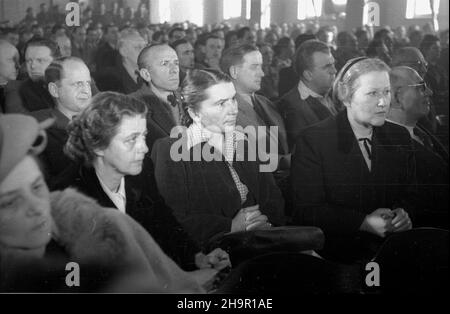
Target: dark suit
[[268, 117], [288, 79], [26, 96], [145, 205], [432, 179], [117, 79], [105, 56], [54, 161], [333, 188], [203, 195], [299, 114], [159, 120]]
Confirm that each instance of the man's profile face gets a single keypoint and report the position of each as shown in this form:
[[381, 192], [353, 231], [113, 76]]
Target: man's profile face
[[250, 73], [323, 71]]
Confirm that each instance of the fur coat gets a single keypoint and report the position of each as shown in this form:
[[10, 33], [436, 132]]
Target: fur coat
[[105, 241]]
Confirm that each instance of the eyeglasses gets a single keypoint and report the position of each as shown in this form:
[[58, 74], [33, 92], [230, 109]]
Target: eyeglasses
[[422, 87]]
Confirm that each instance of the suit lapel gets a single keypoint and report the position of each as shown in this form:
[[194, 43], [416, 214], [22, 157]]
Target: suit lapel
[[438, 147], [275, 120]]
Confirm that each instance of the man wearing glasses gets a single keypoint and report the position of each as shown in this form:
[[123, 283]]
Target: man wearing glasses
[[413, 58], [410, 101]]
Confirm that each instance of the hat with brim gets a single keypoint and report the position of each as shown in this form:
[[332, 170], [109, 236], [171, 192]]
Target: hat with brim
[[20, 135]]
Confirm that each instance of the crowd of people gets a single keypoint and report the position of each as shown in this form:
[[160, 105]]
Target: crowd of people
[[353, 126]]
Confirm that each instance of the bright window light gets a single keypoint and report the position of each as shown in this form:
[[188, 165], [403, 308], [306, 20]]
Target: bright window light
[[265, 13], [248, 8], [164, 11], [232, 9], [309, 9], [420, 8]]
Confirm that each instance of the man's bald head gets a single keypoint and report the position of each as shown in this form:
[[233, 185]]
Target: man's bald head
[[9, 60], [411, 57], [159, 65], [152, 51]]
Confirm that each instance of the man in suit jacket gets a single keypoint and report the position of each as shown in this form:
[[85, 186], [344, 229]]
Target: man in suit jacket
[[244, 64], [307, 103], [69, 83], [123, 77], [410, 102], [32, 94], [158, 68]]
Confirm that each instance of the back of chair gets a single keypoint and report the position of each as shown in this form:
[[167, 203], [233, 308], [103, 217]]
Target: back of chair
[[414, 261]]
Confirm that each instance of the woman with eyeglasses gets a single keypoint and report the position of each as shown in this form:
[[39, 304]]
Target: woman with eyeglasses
[[351, 174]]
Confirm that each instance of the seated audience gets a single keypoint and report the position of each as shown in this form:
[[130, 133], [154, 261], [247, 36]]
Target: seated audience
[[108, 139], [41, 232]]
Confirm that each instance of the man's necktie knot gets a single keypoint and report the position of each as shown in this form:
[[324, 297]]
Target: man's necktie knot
[[172, 100], [367, 142]]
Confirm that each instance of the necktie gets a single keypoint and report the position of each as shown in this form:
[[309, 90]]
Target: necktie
[[366, 142], [172, 100], [426, 141]]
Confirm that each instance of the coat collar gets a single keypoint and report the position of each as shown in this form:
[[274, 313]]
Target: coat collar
[[89, 180], [157, 109]]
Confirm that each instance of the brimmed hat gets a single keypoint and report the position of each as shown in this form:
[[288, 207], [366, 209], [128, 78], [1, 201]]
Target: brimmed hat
[[20, 135]]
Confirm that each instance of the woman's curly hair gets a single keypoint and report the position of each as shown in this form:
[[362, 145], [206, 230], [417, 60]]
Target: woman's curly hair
[[95, 127]]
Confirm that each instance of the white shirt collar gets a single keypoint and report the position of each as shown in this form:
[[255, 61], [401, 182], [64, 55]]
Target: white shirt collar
[[197, 134], [305, 91], [119, 197]]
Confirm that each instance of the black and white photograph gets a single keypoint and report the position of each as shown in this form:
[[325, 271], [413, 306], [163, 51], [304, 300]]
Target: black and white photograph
[[232, 155]]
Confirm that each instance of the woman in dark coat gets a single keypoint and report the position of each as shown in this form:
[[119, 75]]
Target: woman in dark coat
[[216, 187], [109, 139], [353, 175]]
